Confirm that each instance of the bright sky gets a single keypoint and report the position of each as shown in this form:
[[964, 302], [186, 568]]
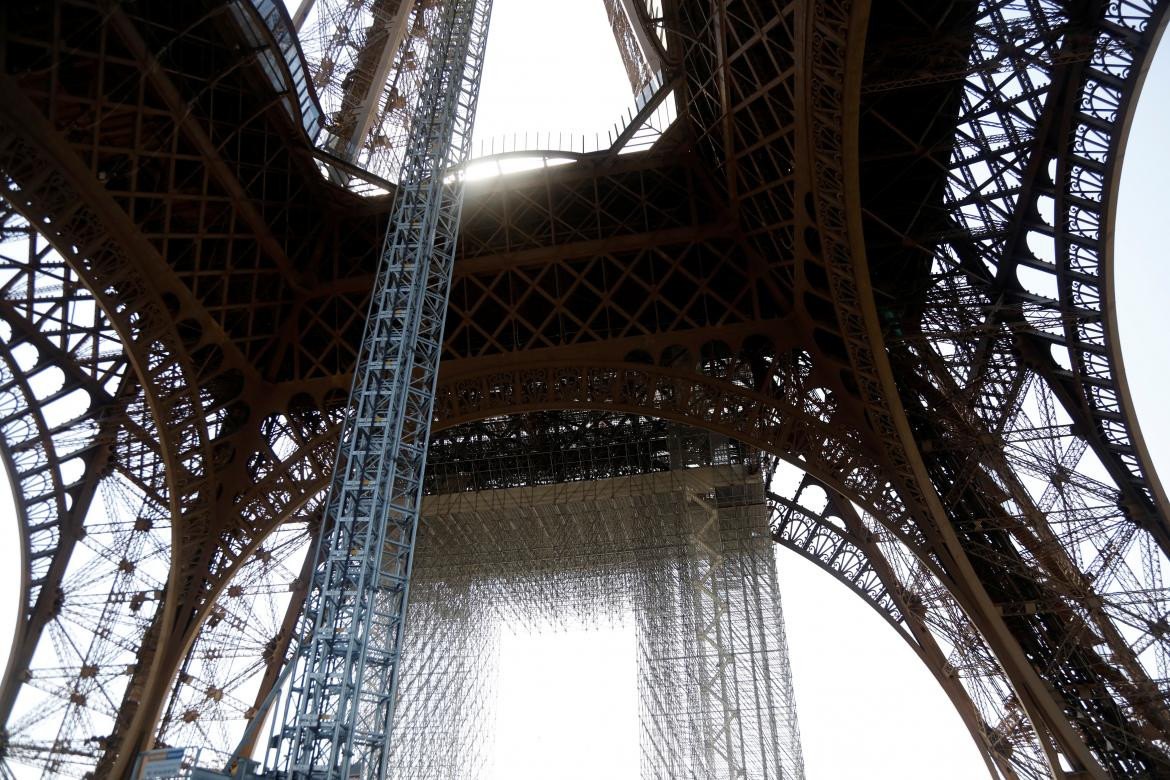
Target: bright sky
[[551, 67], [867, 707], [568, 706]]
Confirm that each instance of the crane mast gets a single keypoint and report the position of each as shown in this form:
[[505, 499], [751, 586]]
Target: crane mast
[[335, 720]]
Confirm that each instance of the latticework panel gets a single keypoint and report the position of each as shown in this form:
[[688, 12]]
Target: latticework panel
[[1005, 358], [683, 554], [833, 235]]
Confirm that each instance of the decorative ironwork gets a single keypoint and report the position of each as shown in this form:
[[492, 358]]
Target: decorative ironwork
[[875, 245]]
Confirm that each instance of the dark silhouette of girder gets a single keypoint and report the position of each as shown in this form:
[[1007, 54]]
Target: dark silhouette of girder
[[875, 245]]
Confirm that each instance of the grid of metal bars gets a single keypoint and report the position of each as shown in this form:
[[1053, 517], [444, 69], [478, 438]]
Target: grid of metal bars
[[341, 701], [679, 550]]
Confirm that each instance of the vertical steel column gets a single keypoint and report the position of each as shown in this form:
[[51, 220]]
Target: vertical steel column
[[337, 717], [720, 750]]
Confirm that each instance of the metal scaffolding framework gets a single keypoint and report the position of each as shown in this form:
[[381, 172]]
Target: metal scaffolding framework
[[682, 555], [875, 242], [367, 67], [341, 699]]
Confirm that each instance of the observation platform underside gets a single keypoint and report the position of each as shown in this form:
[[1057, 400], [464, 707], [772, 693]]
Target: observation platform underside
[[873, 244]]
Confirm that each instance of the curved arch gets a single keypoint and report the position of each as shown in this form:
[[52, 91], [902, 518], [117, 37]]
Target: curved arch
[[296, 477], [30, 450], [239, 635], [105, 269], [985, 725], [289, 474], [169, 338], [1030, 283], [941, 493], [300, 477], [761, 421], [800, 529], [43, 307], [94, 236], [283, 479], [876, 593], [24, 554], [1153, 35], [918, 607], [683, 395]]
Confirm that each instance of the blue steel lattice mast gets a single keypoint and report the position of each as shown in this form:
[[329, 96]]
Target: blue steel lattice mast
[[340, 705]]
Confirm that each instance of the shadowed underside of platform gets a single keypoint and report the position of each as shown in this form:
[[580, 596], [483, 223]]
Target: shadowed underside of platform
[[875, 245]]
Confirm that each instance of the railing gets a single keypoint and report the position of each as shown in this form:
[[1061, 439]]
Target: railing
[[264, 22], [641, 125], [637, 130]]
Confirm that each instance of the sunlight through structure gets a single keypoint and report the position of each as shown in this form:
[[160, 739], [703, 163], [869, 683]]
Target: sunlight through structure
[[875, 243]]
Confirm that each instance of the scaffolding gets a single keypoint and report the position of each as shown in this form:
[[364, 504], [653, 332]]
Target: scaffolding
[[663, 528]]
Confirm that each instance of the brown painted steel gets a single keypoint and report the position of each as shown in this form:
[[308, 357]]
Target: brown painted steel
[[766, 272]]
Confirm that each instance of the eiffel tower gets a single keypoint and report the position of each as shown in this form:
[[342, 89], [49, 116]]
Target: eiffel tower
[[872, 242]]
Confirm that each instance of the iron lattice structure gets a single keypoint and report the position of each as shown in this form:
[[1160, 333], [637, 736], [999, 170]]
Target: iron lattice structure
[[366, 62], [875, 244]]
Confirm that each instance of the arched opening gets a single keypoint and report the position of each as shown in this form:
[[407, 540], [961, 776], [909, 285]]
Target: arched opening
[[865, 664], [561, 81], [867, 657], [858, 683], [548, 525]]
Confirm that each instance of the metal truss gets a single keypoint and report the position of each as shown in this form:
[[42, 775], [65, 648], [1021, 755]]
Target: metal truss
[[1012, 352], [811, 519], [640, 50], [366, 63], [364, 58], [182, 389], [886, 263], [714, 667], [445, 715], [340, 708], [825, 528]]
